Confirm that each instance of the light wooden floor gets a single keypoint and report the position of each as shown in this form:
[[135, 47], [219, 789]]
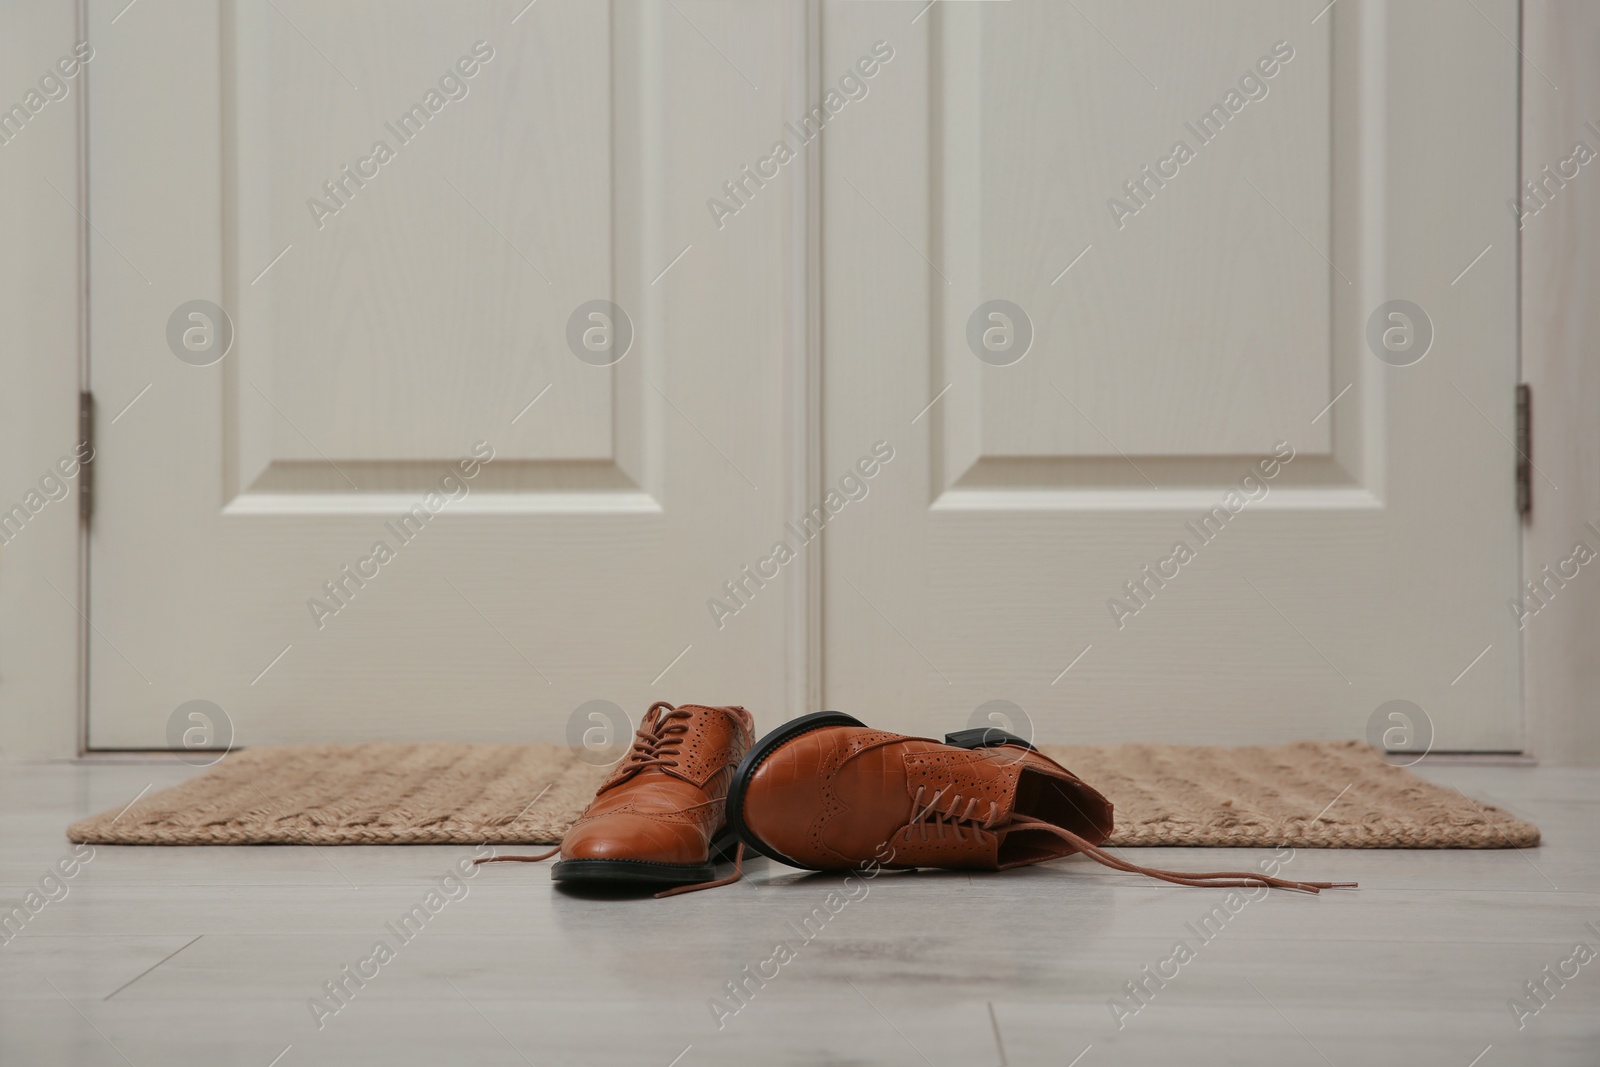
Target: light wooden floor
[[210, 955]]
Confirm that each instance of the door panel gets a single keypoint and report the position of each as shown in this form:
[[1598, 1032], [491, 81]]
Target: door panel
[[1179, 333], [1190, 320], [401, 312]]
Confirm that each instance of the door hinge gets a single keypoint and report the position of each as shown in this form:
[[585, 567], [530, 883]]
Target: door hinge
[[1524, 450], [86, 444]]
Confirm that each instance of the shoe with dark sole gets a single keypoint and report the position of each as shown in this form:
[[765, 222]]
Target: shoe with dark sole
[[827, 793], [646, 873], [660, 817]]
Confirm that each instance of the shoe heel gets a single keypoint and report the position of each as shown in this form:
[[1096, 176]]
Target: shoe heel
[[985, 737]]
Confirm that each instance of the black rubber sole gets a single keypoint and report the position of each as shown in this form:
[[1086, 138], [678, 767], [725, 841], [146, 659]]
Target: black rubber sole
[[758, 755], [985, 737], [644, 873]]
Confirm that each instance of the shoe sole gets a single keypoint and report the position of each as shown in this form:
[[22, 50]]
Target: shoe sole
[[758, 755], [644, 873]]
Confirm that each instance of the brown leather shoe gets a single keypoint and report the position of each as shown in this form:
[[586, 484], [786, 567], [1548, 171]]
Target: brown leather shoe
[[660, 817], [824, 792]]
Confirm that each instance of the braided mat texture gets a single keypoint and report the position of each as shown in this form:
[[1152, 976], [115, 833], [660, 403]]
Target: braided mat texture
[[372, 794], [1311, 794]]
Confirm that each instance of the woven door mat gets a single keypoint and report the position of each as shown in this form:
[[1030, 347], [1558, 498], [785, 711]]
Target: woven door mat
[[1311, 794]]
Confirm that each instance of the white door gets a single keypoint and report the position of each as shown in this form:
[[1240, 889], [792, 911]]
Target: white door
[[1207, 442], [1097, 271], [437, 486]]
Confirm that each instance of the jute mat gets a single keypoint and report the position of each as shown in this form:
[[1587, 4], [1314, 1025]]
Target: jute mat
[[1311, 794]]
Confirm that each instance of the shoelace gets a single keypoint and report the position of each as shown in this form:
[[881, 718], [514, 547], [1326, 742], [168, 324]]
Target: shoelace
[[949, 819], [738, 873], [656, 741], [958, 818], [954, 817], [655, 744]]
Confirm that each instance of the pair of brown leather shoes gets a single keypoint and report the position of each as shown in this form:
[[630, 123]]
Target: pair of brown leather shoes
[[825, 792]]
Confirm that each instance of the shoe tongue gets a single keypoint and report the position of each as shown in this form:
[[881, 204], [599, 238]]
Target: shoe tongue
[[1062, 800]]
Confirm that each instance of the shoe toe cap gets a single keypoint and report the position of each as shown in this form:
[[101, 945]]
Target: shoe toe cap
[[625, 836], [786, 812]]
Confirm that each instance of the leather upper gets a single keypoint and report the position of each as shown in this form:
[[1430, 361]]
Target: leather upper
[[840, 796], [665, 801]]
